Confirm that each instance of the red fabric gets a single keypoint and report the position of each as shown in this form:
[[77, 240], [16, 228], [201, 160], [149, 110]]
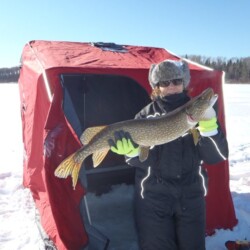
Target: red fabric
[[48, 138]]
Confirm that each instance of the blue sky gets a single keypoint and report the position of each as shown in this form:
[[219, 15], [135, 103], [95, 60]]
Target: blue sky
[[215, 28]]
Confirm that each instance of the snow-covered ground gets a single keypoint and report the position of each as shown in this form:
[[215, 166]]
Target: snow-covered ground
[[237, 106], [18, 228]]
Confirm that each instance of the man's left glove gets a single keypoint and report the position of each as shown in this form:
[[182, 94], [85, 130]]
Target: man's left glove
[[208, 126]]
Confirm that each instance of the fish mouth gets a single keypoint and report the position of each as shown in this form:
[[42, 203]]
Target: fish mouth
[[213, 100], [208, 94], [200, 103]]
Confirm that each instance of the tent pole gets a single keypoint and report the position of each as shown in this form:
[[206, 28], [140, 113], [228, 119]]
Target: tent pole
[[45, 78]]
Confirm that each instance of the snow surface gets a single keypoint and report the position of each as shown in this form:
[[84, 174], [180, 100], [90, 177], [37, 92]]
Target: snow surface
[[18, 229]]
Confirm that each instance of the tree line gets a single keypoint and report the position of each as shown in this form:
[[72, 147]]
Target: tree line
[[9, 74], [237, 70]]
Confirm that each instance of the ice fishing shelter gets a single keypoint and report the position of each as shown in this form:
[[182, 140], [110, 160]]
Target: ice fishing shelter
[[66, 87]]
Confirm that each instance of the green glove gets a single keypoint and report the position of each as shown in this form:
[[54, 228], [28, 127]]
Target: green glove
[[209, 127], [124, 145]]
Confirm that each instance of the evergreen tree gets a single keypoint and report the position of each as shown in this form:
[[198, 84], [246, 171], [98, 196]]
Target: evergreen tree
[[237, 69]]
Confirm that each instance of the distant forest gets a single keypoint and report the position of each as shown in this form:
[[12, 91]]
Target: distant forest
[[237, 69], [9, 74]]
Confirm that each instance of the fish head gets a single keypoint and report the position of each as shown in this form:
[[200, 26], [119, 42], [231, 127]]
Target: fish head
[[197, 106]]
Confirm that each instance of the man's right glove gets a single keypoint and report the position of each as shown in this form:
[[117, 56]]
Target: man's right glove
[[124, 145]]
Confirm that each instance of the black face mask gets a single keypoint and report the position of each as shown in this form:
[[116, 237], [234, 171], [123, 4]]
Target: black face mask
[[176, 100]]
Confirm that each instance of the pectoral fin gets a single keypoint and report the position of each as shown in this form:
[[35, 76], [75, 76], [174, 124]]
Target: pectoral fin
[[98, 157], [195, 133], [143, 153]]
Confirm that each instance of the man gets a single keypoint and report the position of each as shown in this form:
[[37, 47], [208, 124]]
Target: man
[[169, 185]]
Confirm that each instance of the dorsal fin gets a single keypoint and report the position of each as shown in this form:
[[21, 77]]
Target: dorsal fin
[[89, 133]]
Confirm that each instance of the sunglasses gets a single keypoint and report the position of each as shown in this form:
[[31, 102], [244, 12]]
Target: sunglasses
[[175, 82]]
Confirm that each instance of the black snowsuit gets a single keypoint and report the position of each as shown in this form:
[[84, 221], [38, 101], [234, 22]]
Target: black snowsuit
[[170, 186]]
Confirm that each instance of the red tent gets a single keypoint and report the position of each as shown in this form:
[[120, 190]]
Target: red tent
[[66, 87]]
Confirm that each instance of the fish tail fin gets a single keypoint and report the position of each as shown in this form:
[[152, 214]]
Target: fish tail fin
[[69, 167]]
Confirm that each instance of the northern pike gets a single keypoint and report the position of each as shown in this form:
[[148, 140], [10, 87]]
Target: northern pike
[[146, 133]]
